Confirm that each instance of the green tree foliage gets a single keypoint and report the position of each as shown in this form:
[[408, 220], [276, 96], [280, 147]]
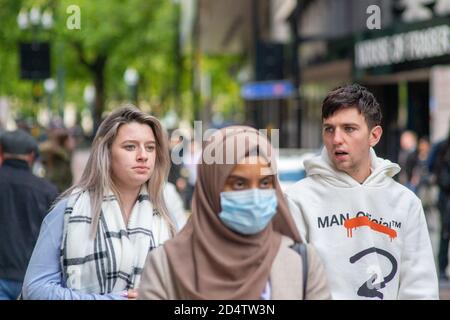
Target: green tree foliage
[[113, 35], [225, 90]]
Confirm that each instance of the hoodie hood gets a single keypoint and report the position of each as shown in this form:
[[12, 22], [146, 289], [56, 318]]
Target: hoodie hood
[[321, 165]]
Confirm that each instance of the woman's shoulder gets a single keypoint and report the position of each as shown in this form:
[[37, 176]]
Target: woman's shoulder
[[157, 259], [156, 266], [158, 253], [56, 213], [286, 274], [289, 251], [286, 243], [157, 281]]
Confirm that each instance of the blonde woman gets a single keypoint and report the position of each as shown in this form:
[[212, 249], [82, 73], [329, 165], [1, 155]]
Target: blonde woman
[[94, 242]]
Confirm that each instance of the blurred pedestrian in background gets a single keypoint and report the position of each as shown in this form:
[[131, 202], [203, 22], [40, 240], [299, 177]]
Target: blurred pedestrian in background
[[94, 243], [191, 158], [422, 182], [416, 167], [237, 243], [56, 155], [1, 153], [408, 145], [24, 201], [439, 164], [178, 176]]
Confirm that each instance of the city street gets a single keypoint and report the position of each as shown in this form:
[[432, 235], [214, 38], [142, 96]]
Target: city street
[[351, 96]]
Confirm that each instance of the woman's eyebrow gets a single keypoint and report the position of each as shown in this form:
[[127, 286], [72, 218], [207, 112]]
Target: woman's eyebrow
[[233, 176], [136, 141]]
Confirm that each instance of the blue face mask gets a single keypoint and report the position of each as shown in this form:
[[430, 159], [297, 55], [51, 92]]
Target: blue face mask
[[249, 211]]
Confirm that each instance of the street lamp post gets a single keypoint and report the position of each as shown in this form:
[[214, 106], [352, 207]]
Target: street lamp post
[[49, 87], [35, 20], [131, 78], [34, 66], [89, 99]]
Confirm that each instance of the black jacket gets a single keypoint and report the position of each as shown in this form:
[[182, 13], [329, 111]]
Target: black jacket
[[24, 201]]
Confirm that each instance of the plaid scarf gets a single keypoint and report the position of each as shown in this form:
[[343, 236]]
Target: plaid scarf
[[113, 261]]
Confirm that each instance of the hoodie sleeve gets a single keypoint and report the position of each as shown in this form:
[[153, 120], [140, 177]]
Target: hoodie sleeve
[[299, 219], [418, 278]]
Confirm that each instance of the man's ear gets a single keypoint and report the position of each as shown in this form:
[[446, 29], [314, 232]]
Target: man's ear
[[375, 135]]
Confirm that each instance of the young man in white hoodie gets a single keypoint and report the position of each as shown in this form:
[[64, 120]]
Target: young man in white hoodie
[[369, 230]]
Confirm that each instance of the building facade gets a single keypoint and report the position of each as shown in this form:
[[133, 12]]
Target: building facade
[[399, 49]]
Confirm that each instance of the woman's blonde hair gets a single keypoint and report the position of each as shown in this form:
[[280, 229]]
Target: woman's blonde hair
[[96, 177]]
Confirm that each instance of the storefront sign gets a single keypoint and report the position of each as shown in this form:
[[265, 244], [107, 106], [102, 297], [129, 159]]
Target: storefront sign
[[403, 47], [418, 10]]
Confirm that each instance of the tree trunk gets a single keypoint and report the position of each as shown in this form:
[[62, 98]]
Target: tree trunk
[[98, 71]]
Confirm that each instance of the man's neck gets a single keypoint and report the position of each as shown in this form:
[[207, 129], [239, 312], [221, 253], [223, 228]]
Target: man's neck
[[361, 175], [28, 158]]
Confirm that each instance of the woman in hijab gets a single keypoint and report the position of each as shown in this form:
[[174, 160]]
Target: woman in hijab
[[237, 243]]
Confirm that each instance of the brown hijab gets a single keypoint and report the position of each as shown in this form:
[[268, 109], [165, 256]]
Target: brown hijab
[[207, 259]]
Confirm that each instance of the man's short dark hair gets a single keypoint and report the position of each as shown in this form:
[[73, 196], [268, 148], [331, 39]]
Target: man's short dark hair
[[353, 96]]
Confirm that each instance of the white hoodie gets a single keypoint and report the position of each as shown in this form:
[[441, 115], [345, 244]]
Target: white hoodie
[[372, 237]]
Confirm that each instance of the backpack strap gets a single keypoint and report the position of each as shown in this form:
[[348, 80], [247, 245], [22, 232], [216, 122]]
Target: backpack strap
[[300, 248]]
